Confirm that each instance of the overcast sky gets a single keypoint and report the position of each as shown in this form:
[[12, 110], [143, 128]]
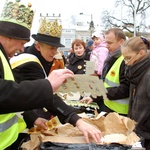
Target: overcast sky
[[68, 8]]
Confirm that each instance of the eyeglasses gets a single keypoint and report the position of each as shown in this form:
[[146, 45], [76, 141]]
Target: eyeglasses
[[128, 59]]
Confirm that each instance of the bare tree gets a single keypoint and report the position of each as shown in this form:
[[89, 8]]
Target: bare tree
[[129, 15]]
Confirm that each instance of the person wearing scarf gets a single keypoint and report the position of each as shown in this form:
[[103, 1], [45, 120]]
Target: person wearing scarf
[[137, 59]]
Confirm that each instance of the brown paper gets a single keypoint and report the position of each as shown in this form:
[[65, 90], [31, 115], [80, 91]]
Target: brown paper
[[114, 128], [115, 123], [33, 144]]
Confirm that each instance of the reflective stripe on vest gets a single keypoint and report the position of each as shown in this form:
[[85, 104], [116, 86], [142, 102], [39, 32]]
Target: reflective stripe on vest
[[7, 124], [24, 58], [112, 80], [10, 124]]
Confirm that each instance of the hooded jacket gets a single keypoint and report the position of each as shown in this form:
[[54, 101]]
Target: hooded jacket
[[98, 55]]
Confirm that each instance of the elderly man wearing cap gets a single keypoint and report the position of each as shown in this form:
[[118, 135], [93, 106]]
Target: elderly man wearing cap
[[14, 33]]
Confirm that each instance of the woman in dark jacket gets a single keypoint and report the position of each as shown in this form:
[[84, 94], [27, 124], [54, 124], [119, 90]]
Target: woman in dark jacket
[[137, 59], [79, 57]]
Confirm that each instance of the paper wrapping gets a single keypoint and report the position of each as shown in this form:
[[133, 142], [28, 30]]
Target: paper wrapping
[[114, 128], [83, 84]]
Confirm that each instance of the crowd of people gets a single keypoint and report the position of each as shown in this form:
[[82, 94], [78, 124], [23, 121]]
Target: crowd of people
[[40, 69], [125, 74], [28, 95]]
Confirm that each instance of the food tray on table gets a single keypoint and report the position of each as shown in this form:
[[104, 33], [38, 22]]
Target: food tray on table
[[82, 107]]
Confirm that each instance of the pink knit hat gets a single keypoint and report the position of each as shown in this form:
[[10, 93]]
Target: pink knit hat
[[99, 34]]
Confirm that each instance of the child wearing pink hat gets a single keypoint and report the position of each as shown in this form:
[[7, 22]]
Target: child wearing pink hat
[[99, 53]]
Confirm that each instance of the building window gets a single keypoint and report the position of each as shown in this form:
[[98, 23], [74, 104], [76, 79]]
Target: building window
[[68, 31], [82, 38], [67, 43]]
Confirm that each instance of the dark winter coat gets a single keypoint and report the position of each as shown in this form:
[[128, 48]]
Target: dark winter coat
[[32, 70], [29, 95], [139, 106], [77, 64]]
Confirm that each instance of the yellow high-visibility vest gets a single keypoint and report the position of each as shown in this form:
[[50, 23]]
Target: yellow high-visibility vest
[[10, 124], [24, 58], [112, 80]]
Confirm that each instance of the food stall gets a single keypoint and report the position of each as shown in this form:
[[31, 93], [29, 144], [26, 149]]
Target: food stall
[[117, 131]]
